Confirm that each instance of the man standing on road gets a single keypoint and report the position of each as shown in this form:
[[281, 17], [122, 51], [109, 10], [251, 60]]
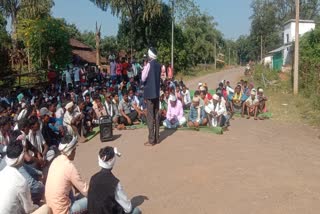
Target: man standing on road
[[151, 79]]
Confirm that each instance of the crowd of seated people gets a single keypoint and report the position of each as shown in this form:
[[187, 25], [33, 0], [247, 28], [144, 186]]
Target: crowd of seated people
[[40, 128], [206, 109]]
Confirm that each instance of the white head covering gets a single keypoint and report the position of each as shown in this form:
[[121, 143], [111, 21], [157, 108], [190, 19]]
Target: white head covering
[[202, 88], [67, 148], [215, 97], [110, 163], [69, 105], [14, 161], [172, 98], [260, 90], [151, 54]]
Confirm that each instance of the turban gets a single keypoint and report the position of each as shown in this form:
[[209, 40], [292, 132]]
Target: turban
[[67, 148]]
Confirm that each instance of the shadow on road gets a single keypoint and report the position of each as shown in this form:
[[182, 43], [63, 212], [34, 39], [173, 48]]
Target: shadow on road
[[138, 200], [164, 134]]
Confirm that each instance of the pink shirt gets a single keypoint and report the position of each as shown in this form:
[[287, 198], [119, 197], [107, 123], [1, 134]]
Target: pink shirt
[[176, 111], [61, 177], [170, 72]]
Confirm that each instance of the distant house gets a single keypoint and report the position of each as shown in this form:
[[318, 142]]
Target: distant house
[[83, 54], [282, 56]]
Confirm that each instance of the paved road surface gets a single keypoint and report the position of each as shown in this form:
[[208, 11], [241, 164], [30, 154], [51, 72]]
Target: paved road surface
[[257, 167]]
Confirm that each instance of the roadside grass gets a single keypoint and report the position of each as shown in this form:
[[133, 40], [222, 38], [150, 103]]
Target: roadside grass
[[200, 70], [283, 105]]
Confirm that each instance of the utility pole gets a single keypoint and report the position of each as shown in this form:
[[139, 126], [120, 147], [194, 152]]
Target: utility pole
[[215, 54], [261, 51], [296, 51], [229, 55], [172, 34]]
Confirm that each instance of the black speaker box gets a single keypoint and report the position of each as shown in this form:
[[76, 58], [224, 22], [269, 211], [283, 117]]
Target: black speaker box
[[106, 132]]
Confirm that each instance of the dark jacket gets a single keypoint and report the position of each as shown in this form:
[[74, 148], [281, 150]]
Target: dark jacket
[[101, 194], [152, 83]]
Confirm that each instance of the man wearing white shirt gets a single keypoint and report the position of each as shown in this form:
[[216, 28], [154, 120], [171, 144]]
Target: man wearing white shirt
[[186, 98], [216, 109], [111, 108], [76, 71], [15, 194], [67, 74]]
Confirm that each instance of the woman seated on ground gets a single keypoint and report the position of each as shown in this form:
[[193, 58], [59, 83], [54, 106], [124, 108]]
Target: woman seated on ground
[[197, 115], [236, 103]]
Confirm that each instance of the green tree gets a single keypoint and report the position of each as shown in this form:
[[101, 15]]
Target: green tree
[[146, 34], [109, 45], [47, 39], [4, 53], [23, 8], [131, 11], [89, 38], [201, 34], [265, 28]]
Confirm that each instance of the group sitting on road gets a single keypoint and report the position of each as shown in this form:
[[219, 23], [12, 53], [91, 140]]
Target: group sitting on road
[[41, 127]]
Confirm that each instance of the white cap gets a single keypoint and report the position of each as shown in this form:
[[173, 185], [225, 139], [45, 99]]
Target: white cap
[[215, 97], [172, 98]]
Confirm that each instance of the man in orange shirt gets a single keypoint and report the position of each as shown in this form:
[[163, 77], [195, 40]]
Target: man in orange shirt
[[62, 176]]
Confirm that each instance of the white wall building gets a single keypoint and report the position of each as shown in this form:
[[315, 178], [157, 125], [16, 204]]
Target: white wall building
[[289, 36]]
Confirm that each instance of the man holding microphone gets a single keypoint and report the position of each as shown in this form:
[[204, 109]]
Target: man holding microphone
[[151, 80]]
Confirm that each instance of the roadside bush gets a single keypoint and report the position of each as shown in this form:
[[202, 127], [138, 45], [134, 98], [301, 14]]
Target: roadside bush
[[309, 70]]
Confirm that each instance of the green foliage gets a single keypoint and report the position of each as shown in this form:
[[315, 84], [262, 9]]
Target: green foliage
[[144, 34], [269, 75], [89, 38], [4, 55], [47, 40], [309, 70], [201, 35], [109, 45], [32, 9], [268, 19]]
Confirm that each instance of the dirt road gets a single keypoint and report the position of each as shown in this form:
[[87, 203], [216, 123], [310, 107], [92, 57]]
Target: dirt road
[[257, 167]]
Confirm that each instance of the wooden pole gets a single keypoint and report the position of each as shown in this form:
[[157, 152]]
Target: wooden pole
[[172, 37], [215, 54], [261, 51], [229, 55], [296, 51]]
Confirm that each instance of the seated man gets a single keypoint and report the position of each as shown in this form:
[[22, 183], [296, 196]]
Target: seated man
[[36, 139], [106, 194], [136, 105], [128, 116], [72, 119], [175, 116], [236, 103], [51, 138], [186, 97], [98, 107], [197, 115], [111, 108], [163, 108], [262, 108], [15, 194], [217, 113], [62, 176], [250, 107]]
